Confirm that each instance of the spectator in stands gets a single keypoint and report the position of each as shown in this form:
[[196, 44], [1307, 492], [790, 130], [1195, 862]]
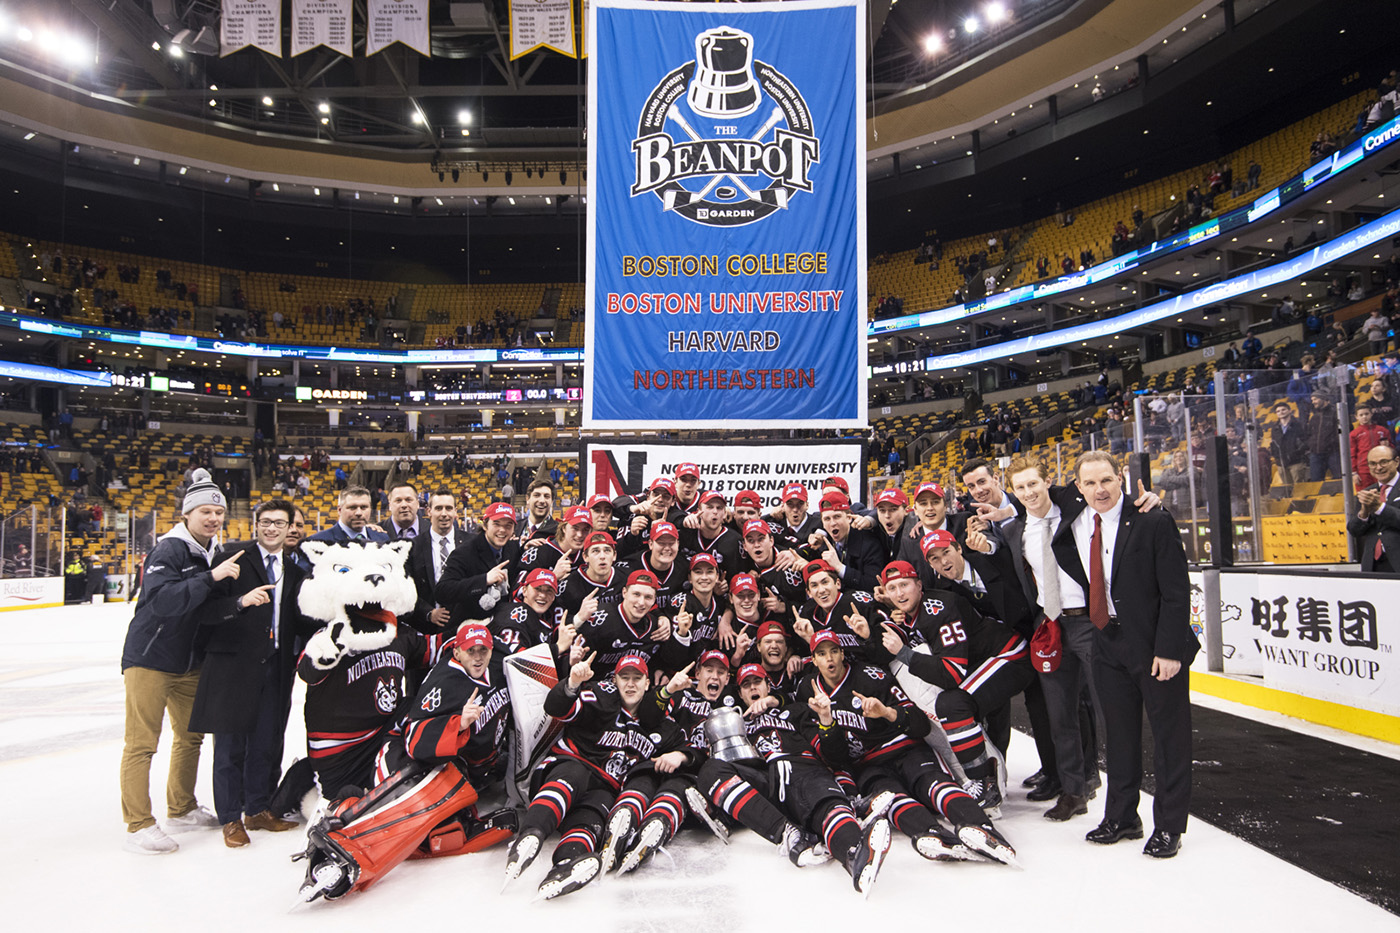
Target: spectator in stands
[[1363, 437], [1377, 330], [1176, 481], [1255, 170], [1252, 347], [1376, 525], [1380, 402], [1324, 452], [1176, 417], [1290, 446]]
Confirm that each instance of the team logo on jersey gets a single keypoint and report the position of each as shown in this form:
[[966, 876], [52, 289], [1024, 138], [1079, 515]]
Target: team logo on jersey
[[855, 703], [616, 765], [386, 695], [739, 173], [728, 701], [432, 700]]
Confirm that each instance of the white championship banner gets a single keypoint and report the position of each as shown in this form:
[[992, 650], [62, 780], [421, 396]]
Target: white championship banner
[[321, 22], [536, 24], [251, 22], [617, 467], [1316, 634], [391, 21], [31, 593]]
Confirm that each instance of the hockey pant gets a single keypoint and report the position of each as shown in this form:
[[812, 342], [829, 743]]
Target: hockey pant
[[573, 798], [649, 793], [921, 783], [765, 798], [349, 770], [417, 812], [984, 695]]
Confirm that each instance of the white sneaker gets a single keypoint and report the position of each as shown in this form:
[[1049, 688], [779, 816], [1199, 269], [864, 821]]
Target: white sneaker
[[150, 841], [198, 818]]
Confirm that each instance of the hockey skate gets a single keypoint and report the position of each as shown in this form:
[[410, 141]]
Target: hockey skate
[[986, 840], [568, 877], [701, 808], [939, 845], [650, 837], [878, 806], [520, 854], [865, 859], [804, 849], [986, 790], [621, 828]]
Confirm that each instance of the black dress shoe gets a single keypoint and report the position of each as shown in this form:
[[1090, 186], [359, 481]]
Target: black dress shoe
[[1034, 779], [1162, 844], [1111, 831], [1047, 789], [1069, 805]]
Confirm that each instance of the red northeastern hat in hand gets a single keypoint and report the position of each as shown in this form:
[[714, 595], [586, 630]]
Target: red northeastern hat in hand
[[824, 636], [687, 469], [598, 499], [940, 538], [542, 576], [713, 657], [599, 537], [835, 502], [473, 635], [815, 567], [1046, 647], [751, 670], [499, 510], [662, 482], [795, 491], [743, 582], [933, 488], [643, 578], [661, 530], [756, 526], [839, 482], [578, 515], [632, 662], [898, 570], [771, 628], [747, 497], [892, 496]]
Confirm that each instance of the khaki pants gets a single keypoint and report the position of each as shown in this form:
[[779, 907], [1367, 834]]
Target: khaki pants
[[149, 696]]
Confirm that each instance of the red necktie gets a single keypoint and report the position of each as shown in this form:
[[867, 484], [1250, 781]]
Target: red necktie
[[1098, 593], [1385, 492]]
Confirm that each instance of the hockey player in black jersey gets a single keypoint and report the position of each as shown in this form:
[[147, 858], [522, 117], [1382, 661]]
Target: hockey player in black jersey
[[830, 608], [662, 559], [978, 664], [600, 509], [707, 609], [612, 742], [689, 495], [557, 553], [866, 726], [779, 573], [787, 795], [634, 525], [772, 650], [706, 531], [598, 571], [531, 618], [635, 626]]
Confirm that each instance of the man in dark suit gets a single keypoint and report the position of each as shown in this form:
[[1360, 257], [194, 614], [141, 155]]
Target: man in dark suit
[[353, 521], [1376, 524], [403, 523], [933, 510], [428, 557], [1139, 604], [487, 563], [245, 692], [855, 556]]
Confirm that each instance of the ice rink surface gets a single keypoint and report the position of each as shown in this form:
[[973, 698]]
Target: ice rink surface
[[61, 714]]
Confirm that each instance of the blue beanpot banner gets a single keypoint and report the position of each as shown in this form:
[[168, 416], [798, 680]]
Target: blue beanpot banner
[[726, 211]]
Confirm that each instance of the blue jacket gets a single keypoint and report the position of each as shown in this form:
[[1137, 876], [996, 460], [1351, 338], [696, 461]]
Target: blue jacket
[[178, 581]]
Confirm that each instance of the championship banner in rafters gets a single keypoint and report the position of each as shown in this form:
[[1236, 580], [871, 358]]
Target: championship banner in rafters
[[726, 222], [251, 22], [541, 24], [322, 22], [391, 21]]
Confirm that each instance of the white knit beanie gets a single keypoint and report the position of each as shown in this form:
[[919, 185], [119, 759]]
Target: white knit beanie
[[202, 491]]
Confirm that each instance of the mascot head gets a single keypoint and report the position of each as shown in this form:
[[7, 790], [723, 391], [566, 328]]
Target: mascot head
[[356, 590]]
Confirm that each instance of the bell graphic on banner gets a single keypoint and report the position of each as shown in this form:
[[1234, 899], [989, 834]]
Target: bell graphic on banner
[[723, 85]]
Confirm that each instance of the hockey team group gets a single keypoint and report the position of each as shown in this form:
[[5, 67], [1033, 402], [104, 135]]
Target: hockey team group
[[674, 658]]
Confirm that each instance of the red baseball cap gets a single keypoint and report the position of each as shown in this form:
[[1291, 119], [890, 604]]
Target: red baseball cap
[[756, 526], [598, 499], [709, 495], [839, 482], [747, 497], [632, 662], [578, 515], [661, 530], [743, 581], [687, 469], [703, 557], [822, 636], [835, 502], [472, 635], [815, 567], [643, 578], [662, 482], [795, 491], [939, 538], [771, 627], [751, 670], [599, 537], [934, 488], [542, 576], [499, 510], [898, 570], [892, 496], [713, 656]]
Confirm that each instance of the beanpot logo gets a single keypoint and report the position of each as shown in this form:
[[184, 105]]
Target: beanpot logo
[[739, 174]]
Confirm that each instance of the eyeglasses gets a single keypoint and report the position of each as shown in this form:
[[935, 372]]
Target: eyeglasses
[[1373, 462], [271, 523]]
